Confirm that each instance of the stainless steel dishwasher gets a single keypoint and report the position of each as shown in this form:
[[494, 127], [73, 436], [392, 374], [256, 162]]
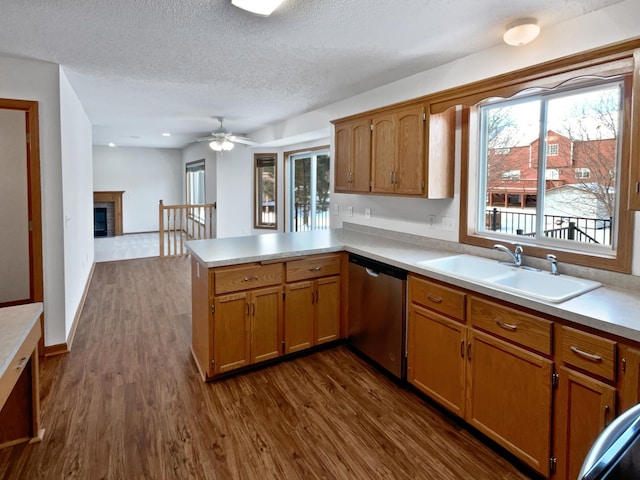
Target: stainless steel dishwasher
[[377, 324]]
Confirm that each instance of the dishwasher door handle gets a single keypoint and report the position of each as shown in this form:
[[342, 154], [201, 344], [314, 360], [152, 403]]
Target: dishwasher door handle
[[373, 273]]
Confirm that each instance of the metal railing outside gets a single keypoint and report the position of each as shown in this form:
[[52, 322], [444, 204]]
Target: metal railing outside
[[579, 229]]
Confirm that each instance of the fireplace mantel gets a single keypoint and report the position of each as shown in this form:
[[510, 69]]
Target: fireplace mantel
[[116, 198]]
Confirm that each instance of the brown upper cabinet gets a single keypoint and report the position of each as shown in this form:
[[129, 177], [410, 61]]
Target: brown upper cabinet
[[353, 153], [387, 152]]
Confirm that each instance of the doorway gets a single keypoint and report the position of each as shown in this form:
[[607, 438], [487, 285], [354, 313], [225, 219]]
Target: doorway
[[309, 190], [21, 235]]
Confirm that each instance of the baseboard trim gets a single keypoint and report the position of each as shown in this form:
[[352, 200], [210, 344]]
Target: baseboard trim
[[59, 349], [53, 350], [140, 233]]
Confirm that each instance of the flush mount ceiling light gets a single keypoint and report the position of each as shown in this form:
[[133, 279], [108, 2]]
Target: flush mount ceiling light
[[220, 145], [521, 32], [263, 8]]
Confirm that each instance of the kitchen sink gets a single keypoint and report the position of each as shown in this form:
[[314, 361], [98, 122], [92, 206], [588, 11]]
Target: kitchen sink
[[539, 285]]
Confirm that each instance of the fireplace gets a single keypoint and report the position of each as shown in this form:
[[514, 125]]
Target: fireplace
[[112, 202], [100, 222]]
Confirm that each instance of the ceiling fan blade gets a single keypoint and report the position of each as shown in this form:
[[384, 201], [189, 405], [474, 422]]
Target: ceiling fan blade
[[205, 139], [241, 139]]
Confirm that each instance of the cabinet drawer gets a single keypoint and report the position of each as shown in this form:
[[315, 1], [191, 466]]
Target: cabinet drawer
[[437, 297], [589, 352], [508, 323], [313, 267], [237, 278]]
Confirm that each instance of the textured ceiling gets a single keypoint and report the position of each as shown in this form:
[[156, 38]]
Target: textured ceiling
[[143, 67]]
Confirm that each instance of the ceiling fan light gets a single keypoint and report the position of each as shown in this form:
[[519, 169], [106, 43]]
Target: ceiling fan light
[[216, 146], [263, 8], [521, 32], [227, 145]]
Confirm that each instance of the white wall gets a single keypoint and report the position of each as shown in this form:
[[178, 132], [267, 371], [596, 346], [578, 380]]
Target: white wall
[[235, 192], [32, 80], [14, 208], [77, 198], [147, 175]]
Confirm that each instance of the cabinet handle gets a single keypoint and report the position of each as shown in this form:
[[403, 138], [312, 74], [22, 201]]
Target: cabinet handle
[[313, 298], [506, 326], [607, 408], [250, 279], [317, 296], [469, 351], [462, 348], [434, 299], [588, 356], [23, 361], [248, 309], [624, 365], [637, 187], [315, 269]]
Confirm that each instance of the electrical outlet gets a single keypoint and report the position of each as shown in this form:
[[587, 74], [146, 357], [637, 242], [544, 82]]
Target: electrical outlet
[[431, 221], [350, 211], [447, 224], [367, 212]]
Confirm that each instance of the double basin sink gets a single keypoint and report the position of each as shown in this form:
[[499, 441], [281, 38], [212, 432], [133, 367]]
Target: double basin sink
[[539, 285]]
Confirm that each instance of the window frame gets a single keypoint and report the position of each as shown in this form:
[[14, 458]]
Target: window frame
[[189, 167], [257, 188], [619, 60]]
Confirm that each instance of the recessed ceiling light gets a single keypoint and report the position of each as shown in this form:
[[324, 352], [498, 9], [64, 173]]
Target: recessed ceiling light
[[111, 144], [263, 8], [166, 134]]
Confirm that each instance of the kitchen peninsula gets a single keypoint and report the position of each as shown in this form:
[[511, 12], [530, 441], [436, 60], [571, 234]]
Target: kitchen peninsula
[[519, 370]]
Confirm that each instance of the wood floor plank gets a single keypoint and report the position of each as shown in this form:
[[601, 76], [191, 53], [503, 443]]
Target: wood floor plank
[[127, 403]]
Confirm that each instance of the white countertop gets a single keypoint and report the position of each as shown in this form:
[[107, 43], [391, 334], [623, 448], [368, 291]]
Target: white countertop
[[609, 309], [15, 325]]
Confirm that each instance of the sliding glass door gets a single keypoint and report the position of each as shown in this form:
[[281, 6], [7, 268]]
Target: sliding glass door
[[309, 191]]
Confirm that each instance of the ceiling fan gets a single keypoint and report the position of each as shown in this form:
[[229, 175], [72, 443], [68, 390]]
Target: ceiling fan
[[222, 139]]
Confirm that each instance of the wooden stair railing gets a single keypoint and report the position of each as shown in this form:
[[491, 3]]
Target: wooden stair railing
[[179, 223]]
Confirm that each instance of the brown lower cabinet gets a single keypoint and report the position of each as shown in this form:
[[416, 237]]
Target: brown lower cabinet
[[495, 366], [312, 313], [249, 313], [584, 407]]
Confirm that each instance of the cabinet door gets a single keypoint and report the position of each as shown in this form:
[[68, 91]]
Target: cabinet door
[[584, 407], [353, 156], [436, 363], [343, 147], [509, 398], [266, 324], [231, 337], [361, 156], [629, 377], [383, 153], [327, 309], [298, 316], [409, 176]]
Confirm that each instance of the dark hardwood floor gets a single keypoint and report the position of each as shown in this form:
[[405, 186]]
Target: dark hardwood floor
[[127, 403]]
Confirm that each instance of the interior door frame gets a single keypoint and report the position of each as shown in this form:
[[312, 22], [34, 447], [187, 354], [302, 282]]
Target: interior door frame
[[30, 108]]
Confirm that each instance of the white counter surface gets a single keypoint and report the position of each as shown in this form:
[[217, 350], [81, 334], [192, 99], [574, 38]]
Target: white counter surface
[[15, 325], [609, 309]]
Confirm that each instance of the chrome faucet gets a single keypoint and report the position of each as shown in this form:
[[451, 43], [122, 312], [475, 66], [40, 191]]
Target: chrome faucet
[[516, 255], [554, 264]]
